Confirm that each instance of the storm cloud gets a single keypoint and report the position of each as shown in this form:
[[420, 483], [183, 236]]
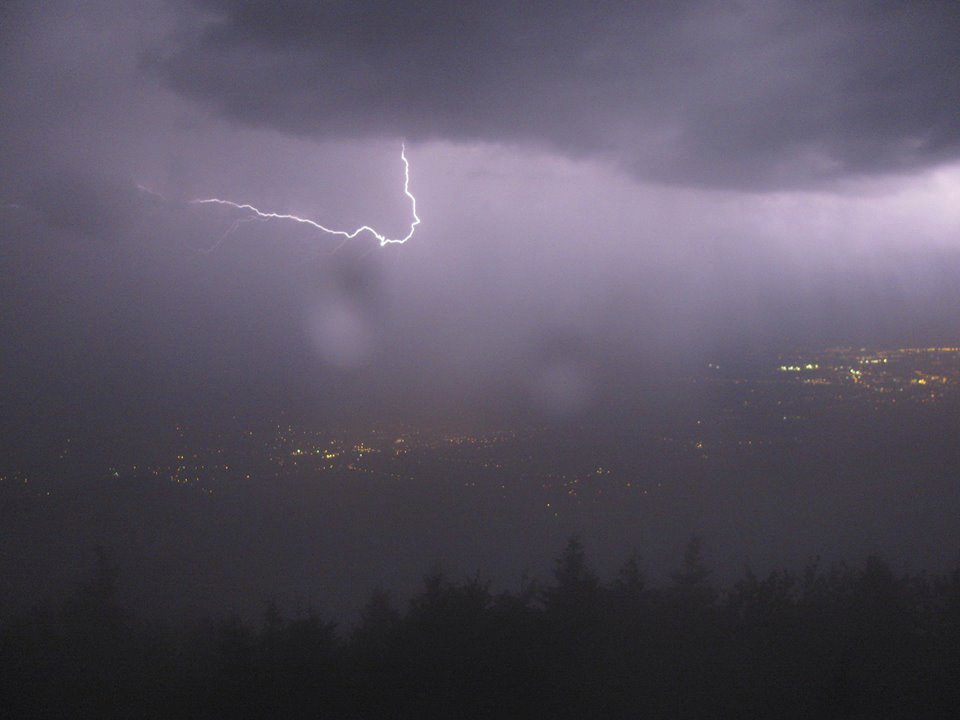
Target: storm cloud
[[759, 95], [607, 190], [616, 198]]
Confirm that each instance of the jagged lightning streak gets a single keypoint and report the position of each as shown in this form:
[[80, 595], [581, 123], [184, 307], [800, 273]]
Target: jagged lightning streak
[[257, 214]]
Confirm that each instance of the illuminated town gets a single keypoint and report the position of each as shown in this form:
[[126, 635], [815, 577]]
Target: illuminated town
[[807, 400], [917, 374]]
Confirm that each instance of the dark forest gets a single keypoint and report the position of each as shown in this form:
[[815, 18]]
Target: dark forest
[[839, 641]]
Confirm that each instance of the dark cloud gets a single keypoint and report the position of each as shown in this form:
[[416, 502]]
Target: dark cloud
[[534, 282], [747, 94]]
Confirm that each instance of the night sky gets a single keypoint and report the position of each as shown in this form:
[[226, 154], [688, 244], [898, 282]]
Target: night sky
[[612, 195]]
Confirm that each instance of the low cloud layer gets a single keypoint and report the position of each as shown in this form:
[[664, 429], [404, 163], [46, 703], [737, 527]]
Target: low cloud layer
[[759, 95]]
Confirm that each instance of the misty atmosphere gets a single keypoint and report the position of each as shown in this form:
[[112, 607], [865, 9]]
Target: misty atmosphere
[[390, 359]]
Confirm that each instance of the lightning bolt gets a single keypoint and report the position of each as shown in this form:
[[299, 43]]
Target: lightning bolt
[[257, 214], [148, 191]]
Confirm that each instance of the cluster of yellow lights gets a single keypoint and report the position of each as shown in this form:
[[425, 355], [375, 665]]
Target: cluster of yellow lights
[[930, 350], [799, 368]]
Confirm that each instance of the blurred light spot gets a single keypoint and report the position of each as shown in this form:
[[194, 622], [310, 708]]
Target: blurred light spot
[[340, 334], [562, 388]]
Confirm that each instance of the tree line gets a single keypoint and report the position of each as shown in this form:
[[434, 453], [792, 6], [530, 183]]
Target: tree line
[[830, 642]]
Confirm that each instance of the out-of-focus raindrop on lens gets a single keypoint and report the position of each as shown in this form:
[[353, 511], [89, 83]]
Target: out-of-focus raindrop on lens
[[340, 333], [561, 389]]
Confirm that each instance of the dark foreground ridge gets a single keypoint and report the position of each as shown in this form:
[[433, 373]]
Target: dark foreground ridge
[[834, 642]]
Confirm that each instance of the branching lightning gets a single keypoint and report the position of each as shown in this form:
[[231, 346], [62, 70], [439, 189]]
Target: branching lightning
[[257, 214]]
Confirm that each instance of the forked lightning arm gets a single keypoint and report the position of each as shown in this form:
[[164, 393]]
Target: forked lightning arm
[[384, 240]]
